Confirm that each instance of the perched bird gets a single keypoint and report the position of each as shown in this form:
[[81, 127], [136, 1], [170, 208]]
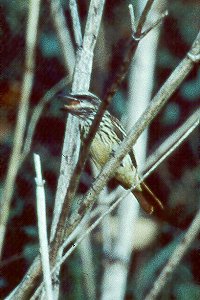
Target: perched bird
[[107, 138]]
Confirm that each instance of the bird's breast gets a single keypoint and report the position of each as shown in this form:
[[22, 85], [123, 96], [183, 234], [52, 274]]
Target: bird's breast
[[101, 149]]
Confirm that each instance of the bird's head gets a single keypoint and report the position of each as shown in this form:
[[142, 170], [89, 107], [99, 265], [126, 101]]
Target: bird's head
[[81, 105]]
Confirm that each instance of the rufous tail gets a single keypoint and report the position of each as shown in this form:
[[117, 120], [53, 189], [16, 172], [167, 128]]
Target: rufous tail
[[147, 199]]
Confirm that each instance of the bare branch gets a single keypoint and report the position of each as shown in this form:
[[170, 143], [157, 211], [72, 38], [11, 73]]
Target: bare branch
[[37, 113], [143, 18], [89, 40], [132, 16], [63, 36], [176, 144], [14, 163], [181, 133], [42, 227], [130, 51], [176, 257], [156, 23], [76, 22]]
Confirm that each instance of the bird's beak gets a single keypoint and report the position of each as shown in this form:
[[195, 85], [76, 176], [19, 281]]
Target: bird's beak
[[72, 104]]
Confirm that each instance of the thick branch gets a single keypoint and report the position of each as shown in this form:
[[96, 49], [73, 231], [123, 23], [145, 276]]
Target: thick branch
[[86, 59]]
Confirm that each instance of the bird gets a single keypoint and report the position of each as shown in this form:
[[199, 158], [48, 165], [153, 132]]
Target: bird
[[107, 138]]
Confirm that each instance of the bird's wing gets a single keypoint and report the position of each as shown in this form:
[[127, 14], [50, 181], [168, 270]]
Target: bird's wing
[[120, 132]]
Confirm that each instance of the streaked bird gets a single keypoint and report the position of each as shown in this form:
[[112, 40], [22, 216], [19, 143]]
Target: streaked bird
[[107, 138]]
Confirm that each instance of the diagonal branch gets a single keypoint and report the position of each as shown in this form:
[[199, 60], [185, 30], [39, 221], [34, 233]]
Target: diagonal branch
[[143, 18], [176, 257], [76, 22], [170, 141], [130, 51], [37, 113]]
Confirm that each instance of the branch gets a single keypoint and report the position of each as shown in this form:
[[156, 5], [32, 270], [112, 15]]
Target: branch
[[116, 266], [89, 41], [181, 133], [130, 51], [63, 34], [143, 18], [42, 227], [76, 22], [37, 113], [176, 257], [14, 163]]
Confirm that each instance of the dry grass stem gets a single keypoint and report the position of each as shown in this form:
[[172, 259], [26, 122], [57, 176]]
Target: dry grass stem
[[42, 227]]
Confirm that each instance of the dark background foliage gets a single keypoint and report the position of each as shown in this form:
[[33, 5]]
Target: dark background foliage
[[177, 180]]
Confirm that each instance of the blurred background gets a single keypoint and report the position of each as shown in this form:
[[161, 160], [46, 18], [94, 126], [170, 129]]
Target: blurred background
[[176, 181]]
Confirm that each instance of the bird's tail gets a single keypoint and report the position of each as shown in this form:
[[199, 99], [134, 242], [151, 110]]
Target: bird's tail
[[147, 199]]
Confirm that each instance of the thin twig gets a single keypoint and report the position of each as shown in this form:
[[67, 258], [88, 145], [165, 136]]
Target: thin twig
[[132, 16], [37, 113], [143, 18], [42, 227], [156, 23], [176, 136], [14, 163], [63, 36], [76, 22], [176, 257], [130, 51], [176, 144]]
